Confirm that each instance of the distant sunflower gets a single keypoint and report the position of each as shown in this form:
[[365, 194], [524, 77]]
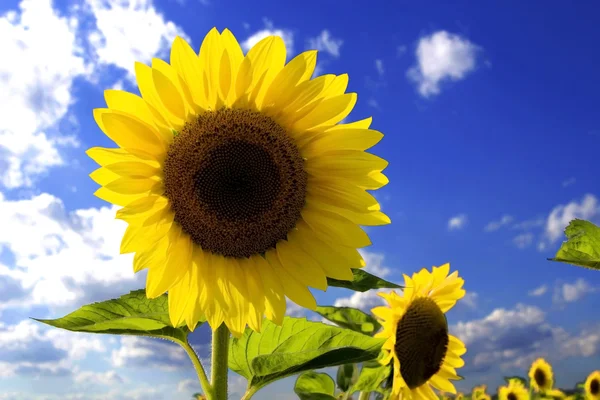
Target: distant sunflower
[[515, 390], [592, 386], [238, 181], [540, 375], [478, 391], [418, 343], [484, 396], [459, 396]]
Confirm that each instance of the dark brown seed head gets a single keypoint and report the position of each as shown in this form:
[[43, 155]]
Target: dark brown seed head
[[540, 377], [236, 182], [421, 341], [512, 396], [595, 387]]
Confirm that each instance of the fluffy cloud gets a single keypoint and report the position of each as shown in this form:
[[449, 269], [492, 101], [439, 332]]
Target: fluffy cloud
[[539, 291], [571, 292], [269, 30], [495, 225], [512, 338], [129, 31], [442, 56], [42, 59], [326, 43], [29, 349], [523, 240], [457, 222], [362, 300], [107, 378], [63, 258], [561, 215], [379, 67], [153, 353]]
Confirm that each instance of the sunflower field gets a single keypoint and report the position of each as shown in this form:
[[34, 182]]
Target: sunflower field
[[242, 186]]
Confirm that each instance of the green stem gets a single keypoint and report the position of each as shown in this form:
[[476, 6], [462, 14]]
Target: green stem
[[219, 368], [364, 396], [249, 393], [206, 388]]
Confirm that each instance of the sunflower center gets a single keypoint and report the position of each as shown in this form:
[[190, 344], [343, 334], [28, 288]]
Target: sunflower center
[[421, 341], [595, 387], [512, 396], [540, 377], [236, 182]]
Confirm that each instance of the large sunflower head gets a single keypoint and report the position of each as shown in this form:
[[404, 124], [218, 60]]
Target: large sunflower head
[[424, 354], [540, 375], [238, 182], [515, 390], [592, 386]]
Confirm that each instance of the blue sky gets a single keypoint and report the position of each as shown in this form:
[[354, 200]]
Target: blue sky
[[489, 112]]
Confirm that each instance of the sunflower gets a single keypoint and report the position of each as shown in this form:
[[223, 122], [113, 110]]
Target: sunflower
[[540, 375], [459, 396], [478, 391], [515, 390], [423, 352], [484, 396], [238, 182], [592, 386]]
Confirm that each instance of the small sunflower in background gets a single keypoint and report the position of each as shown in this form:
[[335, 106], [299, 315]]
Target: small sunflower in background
[[515, 390], [484, 396], [238, 181], [459, 396], [423, 353], [540, 376], [592, 386], [478, 391]]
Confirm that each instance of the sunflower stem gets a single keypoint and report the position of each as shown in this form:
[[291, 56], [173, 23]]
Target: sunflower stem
[[204, 383], [364, 396], [220, 356]]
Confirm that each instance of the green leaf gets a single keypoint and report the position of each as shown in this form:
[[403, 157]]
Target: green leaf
[[580, 385], [315, 386], [296, 346], [582, 247], [519, 379], [371, 377], [131, 314], [362, 282], [346, 376], [350, 318]]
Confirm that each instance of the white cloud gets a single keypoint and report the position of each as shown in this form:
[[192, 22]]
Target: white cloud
[[510, 338], [442, 56], [63, 258], [539, 291], [529, 224], [28, 349], [362, 300], [561, 215], [470, 300], [568, 182], [326, 43], [495, 225], [373, 103], [374, 263], [571, 292], [42, 59], [107, 378], [188, 385], [152, 353], [130, 31], [379, 67], [523, 240], [269, 30], [457, 222]]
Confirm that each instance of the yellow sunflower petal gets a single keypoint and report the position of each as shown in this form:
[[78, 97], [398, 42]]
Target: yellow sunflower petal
[[129, 132], [350, 139], [293, 289], [274, 293], [104, 156], [333, 228], [187, 64], [301, 265], [298, 70]]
